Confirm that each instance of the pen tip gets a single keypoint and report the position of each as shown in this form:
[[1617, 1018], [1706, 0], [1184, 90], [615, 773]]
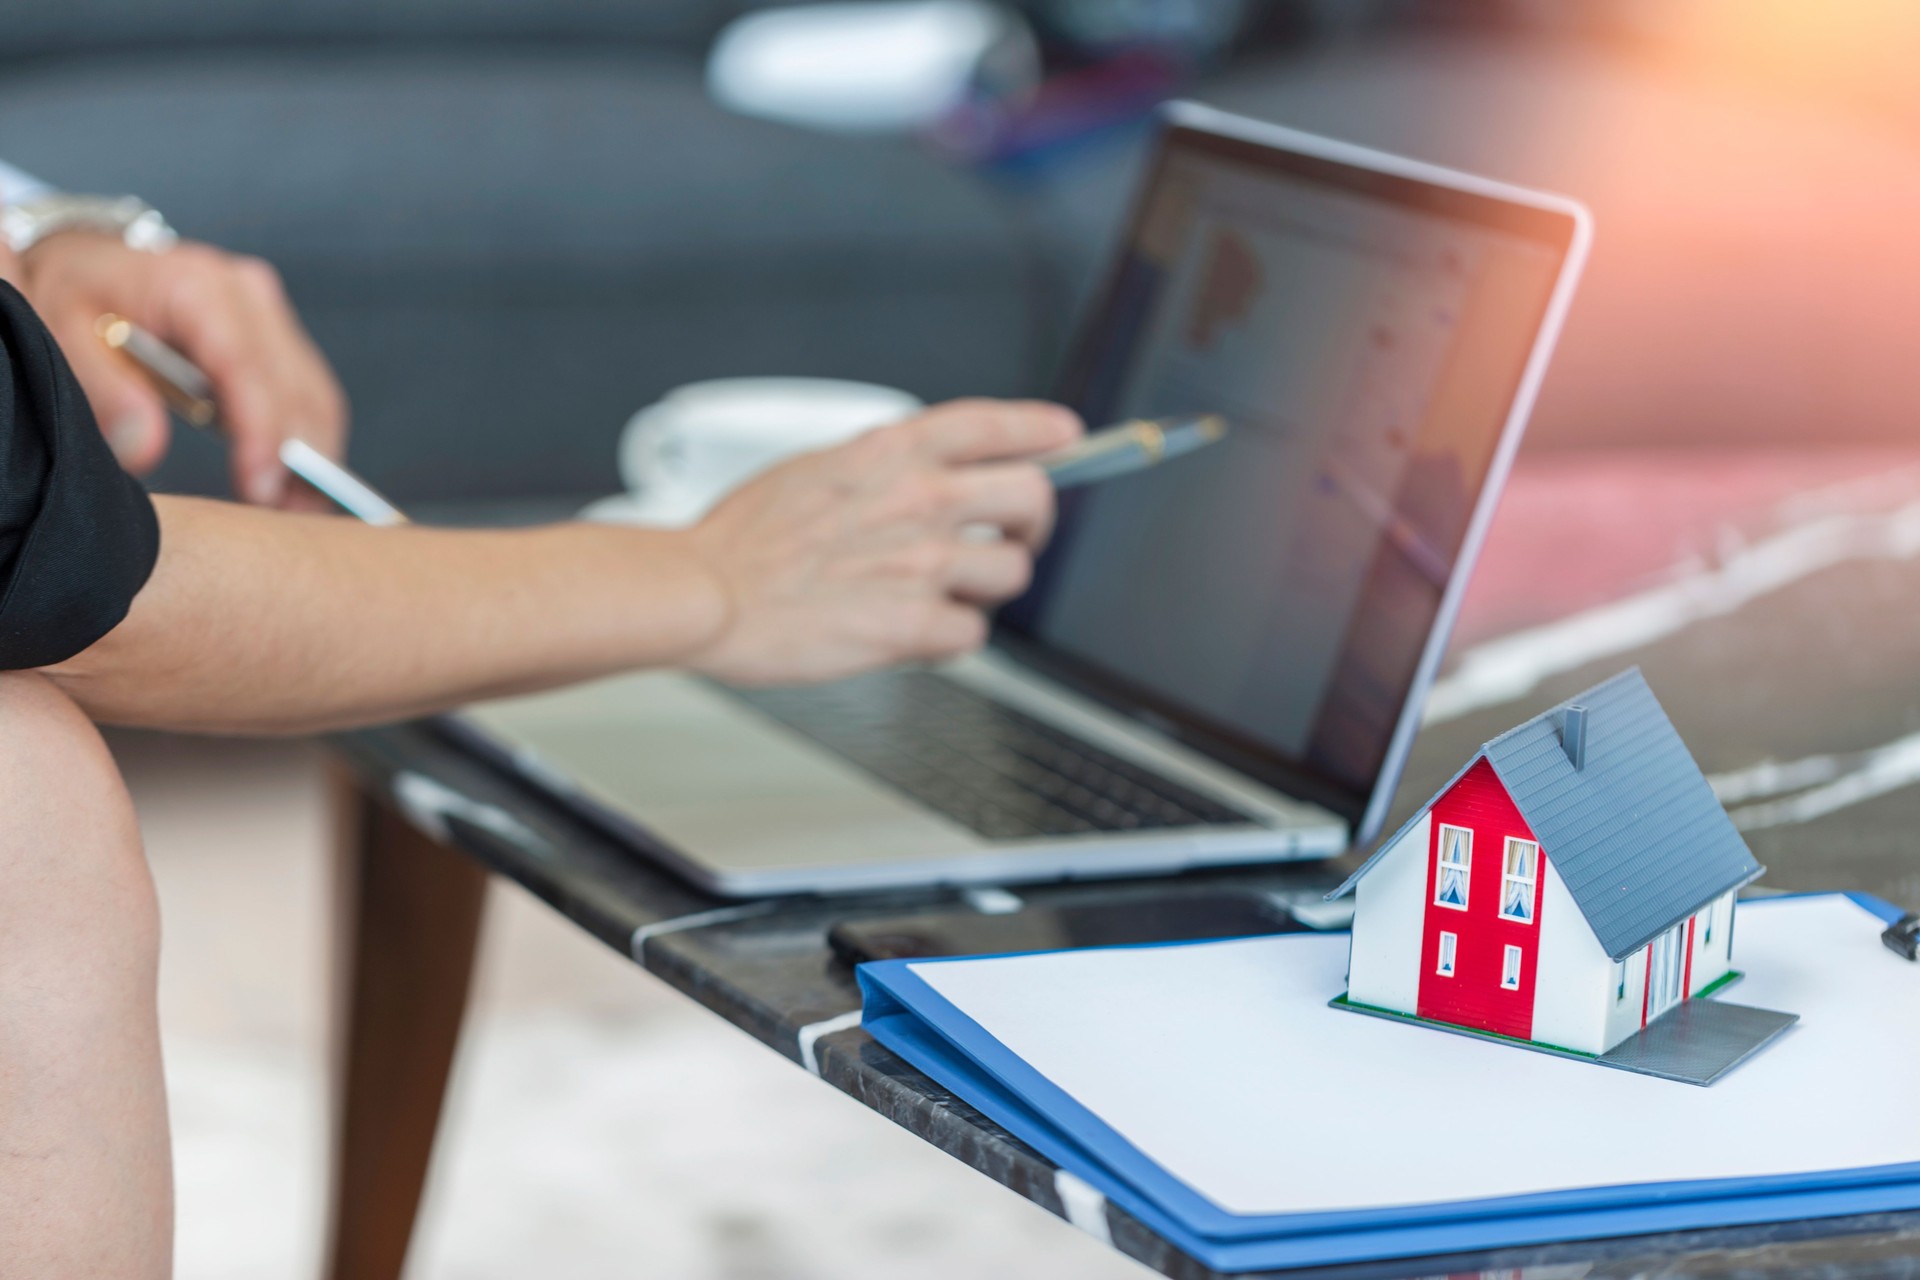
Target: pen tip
[[113, 330], [1212, 426]]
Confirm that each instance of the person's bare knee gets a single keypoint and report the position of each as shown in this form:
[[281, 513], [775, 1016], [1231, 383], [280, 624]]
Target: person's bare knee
[[84, 1177], [70, 852]]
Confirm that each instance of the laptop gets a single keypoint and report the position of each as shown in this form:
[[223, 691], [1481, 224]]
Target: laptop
[[1221, 659]]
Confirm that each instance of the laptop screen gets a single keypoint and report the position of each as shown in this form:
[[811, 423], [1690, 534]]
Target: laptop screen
[[1269, 598]]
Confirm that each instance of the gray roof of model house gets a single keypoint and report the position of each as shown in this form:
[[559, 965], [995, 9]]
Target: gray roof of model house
[[1634, 830]]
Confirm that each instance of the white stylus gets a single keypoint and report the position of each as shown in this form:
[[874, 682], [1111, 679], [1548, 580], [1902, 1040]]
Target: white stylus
[[190, 394]]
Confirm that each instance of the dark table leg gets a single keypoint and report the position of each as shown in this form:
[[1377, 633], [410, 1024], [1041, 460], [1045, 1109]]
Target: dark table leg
[[407, 920]]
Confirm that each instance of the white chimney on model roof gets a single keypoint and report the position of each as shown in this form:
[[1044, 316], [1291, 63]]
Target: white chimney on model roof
[[1573, 735]]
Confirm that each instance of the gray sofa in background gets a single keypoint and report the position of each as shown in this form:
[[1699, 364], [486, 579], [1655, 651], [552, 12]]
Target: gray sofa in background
[[512, 224]]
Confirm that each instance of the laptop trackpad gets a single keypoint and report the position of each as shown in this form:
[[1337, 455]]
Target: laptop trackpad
[[714, 778]]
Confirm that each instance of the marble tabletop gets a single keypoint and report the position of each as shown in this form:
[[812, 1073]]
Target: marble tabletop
[[1771, 601]]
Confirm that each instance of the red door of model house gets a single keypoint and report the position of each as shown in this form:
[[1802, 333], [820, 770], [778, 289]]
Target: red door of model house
[[1481, 937]]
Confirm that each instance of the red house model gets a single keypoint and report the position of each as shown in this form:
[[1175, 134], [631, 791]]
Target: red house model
[[1572, 885]]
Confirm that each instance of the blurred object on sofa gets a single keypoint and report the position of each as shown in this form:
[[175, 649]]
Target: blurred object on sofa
[[885, 66], [1108, 65]]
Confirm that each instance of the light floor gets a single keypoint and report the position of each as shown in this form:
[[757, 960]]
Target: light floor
[[601, 1125]]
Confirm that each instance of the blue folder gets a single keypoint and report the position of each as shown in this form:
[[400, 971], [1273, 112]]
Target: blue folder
[[907, 1015]]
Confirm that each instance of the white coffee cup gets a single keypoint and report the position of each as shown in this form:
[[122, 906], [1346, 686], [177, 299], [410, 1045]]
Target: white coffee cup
[[683, 453]]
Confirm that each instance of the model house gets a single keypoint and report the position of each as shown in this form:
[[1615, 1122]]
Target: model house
[[1571, 885]]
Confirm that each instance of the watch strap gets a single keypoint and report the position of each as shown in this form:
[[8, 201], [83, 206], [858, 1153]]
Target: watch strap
[[28, 222]]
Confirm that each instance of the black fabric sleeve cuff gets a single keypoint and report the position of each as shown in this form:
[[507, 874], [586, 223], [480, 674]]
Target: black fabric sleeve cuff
[[78, 537]]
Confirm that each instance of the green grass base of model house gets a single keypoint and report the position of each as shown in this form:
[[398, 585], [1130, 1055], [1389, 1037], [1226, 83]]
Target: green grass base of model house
[[1341, 1002], [1719, 984]]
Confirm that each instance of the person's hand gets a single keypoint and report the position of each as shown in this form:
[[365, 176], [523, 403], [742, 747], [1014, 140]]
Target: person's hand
[[887, 549], [226, 313]]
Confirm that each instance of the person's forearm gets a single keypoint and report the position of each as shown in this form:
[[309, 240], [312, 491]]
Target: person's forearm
[[827, 565], [262, 622]]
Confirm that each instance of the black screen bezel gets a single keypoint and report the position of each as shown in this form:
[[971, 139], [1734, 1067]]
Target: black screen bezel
[[1553, 228]]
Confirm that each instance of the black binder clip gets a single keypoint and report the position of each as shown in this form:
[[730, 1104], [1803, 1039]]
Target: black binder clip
[[1903, 936]]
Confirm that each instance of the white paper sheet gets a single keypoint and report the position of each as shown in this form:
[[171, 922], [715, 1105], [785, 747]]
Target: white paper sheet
[[1223, 1064]]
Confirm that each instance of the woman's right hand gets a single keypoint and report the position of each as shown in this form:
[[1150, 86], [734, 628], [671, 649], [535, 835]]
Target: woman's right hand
[[891, 548]]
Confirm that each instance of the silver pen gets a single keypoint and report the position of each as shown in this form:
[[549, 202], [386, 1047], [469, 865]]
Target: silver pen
[[188, 392], [1131, 446]]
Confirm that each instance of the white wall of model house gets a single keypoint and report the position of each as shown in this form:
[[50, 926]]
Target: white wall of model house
[[1713, 946], [1625, 988], [1574, 972], [1389, 915]]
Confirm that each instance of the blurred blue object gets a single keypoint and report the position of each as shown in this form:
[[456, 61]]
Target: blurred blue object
[[1077, 108], [1195, 29]]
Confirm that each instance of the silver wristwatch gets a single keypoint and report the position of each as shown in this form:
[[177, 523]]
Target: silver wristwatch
[[27, 223]]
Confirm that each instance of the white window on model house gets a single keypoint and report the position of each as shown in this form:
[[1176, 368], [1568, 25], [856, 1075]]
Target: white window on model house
[[1510, 969], [1619, 981], [1456, 862], [1517, 878], [1449, 947]]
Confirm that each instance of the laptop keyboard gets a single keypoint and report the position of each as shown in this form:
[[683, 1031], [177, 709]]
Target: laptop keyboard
[[987, 766]]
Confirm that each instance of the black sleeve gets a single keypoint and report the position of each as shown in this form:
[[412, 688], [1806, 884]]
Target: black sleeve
[[77, 534]]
